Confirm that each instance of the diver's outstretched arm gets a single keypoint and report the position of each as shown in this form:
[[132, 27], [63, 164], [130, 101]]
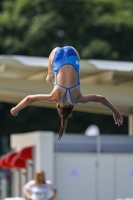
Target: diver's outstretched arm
[[101, 99], [29, 100]]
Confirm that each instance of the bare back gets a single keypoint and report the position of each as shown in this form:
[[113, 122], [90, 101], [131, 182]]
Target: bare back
[[67, 77]]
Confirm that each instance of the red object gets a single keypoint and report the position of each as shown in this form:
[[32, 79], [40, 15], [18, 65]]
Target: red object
[[26, 153], [9, 156], [3, 163], [17, 162]]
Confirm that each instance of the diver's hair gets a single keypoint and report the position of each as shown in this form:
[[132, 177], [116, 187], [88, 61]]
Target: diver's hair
[[65, 112], [36, 178]]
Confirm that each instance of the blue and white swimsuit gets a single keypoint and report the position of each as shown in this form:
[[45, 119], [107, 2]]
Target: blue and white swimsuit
[[66, 56]]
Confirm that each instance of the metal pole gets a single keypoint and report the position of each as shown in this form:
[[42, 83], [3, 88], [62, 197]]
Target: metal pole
[[33, 161], [98, 145], [12, 182], [130, 124], [20, 189], [23, 180]]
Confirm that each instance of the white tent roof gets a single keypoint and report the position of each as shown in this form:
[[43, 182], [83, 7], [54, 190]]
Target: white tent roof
[[113, 65], [23, 75], [43, 62]]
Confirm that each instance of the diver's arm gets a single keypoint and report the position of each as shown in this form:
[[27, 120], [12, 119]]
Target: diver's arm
[[103, 100], [29, 100]]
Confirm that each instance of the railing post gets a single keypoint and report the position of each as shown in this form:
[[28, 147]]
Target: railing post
[[130, 124]]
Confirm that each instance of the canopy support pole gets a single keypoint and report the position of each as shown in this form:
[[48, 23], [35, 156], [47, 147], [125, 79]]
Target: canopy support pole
[[130, 125]]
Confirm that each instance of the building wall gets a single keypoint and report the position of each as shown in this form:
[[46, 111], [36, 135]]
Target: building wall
[[86, 176], [80, 176]]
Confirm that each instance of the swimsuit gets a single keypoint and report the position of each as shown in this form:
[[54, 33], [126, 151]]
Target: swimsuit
[[66, 56]]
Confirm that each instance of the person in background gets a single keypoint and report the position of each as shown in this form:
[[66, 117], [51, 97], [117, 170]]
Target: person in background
[[39, 188]]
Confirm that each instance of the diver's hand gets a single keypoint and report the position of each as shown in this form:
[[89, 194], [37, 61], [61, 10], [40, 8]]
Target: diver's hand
[[118, 118], [14, 112]]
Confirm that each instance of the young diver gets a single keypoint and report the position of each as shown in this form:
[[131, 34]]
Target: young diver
[[64, 73]]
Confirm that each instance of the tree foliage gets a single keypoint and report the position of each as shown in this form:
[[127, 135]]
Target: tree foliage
[[100, 29]]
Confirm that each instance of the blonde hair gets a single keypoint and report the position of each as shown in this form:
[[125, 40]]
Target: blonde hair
[[36, 178]]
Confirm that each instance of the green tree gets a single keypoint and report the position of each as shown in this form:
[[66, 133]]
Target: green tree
[[100, 29]]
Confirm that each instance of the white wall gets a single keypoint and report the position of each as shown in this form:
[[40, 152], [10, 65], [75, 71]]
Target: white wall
[[75, 176], [80, 177], [124, 178], [43, 149]]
